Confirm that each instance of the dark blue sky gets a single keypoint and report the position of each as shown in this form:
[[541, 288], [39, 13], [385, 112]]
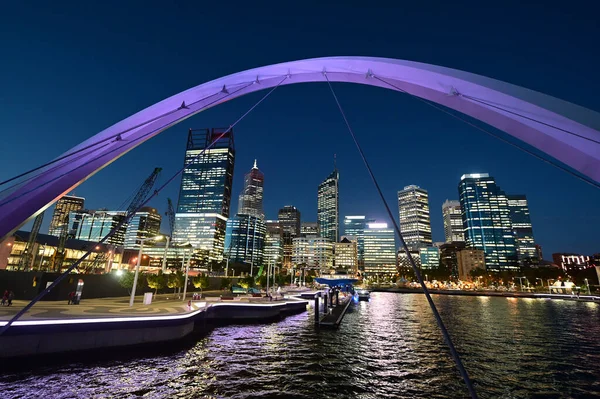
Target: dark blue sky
[[71, 69]]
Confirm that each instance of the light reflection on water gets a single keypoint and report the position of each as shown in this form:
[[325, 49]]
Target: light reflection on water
[[389, 347]]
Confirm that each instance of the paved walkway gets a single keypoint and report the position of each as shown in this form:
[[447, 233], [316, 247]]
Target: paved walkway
[[105, 307]]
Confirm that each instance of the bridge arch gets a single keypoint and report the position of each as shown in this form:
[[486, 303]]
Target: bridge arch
[[565, 131]]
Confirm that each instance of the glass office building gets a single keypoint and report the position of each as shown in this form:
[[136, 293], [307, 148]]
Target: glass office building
[[430, 258], [245, 239], [143, 224], [522, 229], [415, 224], [95, 225], [289, 223], [380, 249], [205, 194], [251, 199], [63, 207], [354, 226], [487, 221], [328, 207], [453, 226]]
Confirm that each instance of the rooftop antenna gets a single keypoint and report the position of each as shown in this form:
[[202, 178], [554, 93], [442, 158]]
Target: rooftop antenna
[[334, 162]]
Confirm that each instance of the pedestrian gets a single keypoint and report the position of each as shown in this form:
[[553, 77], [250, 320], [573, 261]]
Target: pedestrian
[[71, 295], [5, 298], [11, 296]]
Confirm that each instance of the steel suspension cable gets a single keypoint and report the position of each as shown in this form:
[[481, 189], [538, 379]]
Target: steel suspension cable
[[115, 149], [130, 215], [480, 128], [438, 318]]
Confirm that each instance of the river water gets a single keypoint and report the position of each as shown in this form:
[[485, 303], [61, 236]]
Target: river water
[[389, 347]]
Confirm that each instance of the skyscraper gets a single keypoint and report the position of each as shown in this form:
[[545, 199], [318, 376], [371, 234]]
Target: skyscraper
[[205, 195], [289, 223], [522, 229], [415, 225], [64, 205], [346, 256], [273, 253], [453, 226], [143, 224], [487, 222], [95, 225], [380, 249], [251, 198], [328, 207], [354, 226], [245, 239], [430, 258]]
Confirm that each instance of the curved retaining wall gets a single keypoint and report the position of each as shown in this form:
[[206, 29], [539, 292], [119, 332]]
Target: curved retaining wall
[[40, 337]]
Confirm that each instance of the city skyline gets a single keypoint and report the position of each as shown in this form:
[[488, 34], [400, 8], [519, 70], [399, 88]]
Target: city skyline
[[303, 112]]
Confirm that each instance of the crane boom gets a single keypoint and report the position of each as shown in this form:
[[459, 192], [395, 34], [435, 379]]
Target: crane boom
[[142, 193], [26, 258], [171, 214]]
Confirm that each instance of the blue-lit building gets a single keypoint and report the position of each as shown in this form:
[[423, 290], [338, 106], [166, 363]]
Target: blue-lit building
[[487, 222], [205, 194], [430, 258], [354, 228], [245, 239]]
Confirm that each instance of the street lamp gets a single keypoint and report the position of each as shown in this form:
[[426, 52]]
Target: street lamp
[[137, 267]]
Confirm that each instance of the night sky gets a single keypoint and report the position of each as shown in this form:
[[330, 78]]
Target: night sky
[[70, 69]]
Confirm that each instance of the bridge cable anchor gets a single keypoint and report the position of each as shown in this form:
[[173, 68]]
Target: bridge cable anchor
[[256, 81], [224, 90], [370, 74], [183, 106], [454, 92], [289, 74]]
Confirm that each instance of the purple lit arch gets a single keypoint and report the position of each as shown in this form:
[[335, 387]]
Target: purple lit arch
[[566, 132]]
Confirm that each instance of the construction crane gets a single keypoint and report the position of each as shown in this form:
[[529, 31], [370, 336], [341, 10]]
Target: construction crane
[[171, 214], [142, 193], [26, 258], [59, 255]]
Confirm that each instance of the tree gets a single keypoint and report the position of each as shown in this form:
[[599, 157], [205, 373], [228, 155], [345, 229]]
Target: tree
[[156, 281], [201, 281], [175, 280], [262, 280], [225, 283], [126, 280], [247, 282]]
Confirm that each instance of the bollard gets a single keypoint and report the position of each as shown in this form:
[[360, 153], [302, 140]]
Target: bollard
[[316, 309], [337, 298]]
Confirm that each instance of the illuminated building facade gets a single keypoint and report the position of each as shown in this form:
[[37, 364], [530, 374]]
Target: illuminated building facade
[[205, 194], [354, 226], [430, 258], [328, 207], [313, 252], [251, 198], [404, 265], [143, 224], [415, 224], [95, 225], [346, 256], [289, 223], [309, 229], [449, 257], [573, 262], [487, 222], [63, 207], [470, 259], [245, 239], [522, 229], [453, 225], [380, 249], [273, 253]]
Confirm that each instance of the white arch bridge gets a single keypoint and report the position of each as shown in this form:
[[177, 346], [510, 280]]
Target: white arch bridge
[[564, 131]]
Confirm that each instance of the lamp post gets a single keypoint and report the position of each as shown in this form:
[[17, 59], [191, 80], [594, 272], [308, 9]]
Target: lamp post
[[164, 262], [587, 284], [137, 267], [187, 270]]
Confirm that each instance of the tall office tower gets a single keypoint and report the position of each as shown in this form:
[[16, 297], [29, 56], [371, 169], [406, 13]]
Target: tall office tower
[[245, 239], [251, 199], [380, 249], [328, 207], [143, 224], [486, 221], [273, 253], [289, 222], [415, 225], [346, 256], [522, 229], [95, 225], [64, 205], [309, 229], [205, 194], [354, 226], [314, 252], [453, 226]]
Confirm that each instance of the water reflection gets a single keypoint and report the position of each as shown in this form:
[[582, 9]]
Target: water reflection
[[389, 347]]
